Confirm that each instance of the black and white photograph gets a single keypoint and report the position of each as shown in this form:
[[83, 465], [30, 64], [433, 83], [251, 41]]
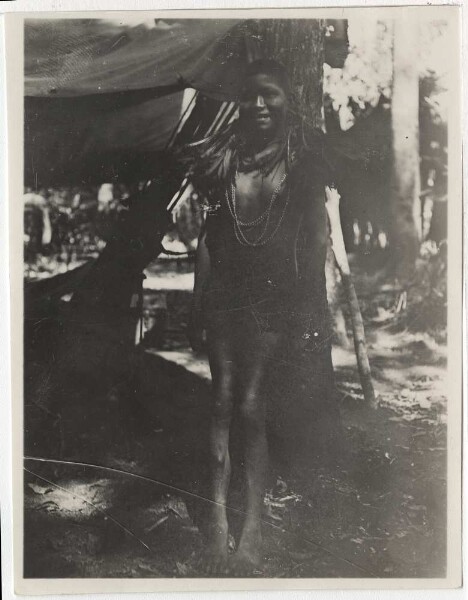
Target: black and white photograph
[[240, 277]]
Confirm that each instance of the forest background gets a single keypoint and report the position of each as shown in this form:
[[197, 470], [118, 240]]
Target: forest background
[[386, 104]]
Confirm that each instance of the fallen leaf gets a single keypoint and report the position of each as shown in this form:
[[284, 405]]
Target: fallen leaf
[[425, 403], [182, 568], [39, 489], [157, 524], [281, 485], [178, 507], [302, 556], [295, 497], [416, 507], [388, 569], [269, 512], [147, 568], [49, 506]]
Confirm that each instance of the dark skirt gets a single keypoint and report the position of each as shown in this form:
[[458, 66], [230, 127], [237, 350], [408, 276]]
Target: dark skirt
[[290, 311]]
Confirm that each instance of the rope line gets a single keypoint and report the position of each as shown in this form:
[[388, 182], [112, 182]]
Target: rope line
[[107, 514], [195, 496]]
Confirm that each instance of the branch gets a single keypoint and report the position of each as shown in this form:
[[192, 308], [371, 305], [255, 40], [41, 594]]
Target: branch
[[339, 250]]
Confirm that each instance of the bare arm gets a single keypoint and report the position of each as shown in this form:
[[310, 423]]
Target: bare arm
[[202, 268], [202, 272]]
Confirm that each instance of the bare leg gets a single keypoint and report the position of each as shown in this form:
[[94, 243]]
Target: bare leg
[[253, 413], [221, 361]]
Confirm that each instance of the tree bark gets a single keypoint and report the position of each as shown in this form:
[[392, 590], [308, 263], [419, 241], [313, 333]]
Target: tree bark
[[299, 44], [406, 210], [303, 414]]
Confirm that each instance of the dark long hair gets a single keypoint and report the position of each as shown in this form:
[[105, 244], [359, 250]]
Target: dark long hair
[[213, 161]]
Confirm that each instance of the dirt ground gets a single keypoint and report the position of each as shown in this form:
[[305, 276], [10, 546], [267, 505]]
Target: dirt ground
[[131, 499]]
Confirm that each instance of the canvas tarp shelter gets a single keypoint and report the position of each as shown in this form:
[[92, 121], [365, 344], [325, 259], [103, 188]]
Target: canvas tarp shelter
[[102, 98]]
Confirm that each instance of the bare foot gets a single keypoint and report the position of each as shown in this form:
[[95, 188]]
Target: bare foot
[[214, 557], [247, 561]]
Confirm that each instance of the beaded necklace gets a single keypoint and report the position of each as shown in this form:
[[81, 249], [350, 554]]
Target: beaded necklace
[[241, 227]]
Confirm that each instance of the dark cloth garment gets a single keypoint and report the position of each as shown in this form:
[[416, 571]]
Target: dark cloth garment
[[264, 281], [253, 290], [303, 414]]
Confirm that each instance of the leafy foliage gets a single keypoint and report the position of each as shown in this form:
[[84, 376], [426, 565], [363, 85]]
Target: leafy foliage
[[366, 76]]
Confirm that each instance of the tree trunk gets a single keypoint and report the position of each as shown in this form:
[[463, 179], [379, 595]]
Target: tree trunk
[[304, 418], [406, 212], [299, 44]]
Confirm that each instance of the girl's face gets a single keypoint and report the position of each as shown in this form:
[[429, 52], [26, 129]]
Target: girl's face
[[263, 106]]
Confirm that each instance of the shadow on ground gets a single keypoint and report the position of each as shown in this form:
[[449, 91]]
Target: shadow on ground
[[376, 510]]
